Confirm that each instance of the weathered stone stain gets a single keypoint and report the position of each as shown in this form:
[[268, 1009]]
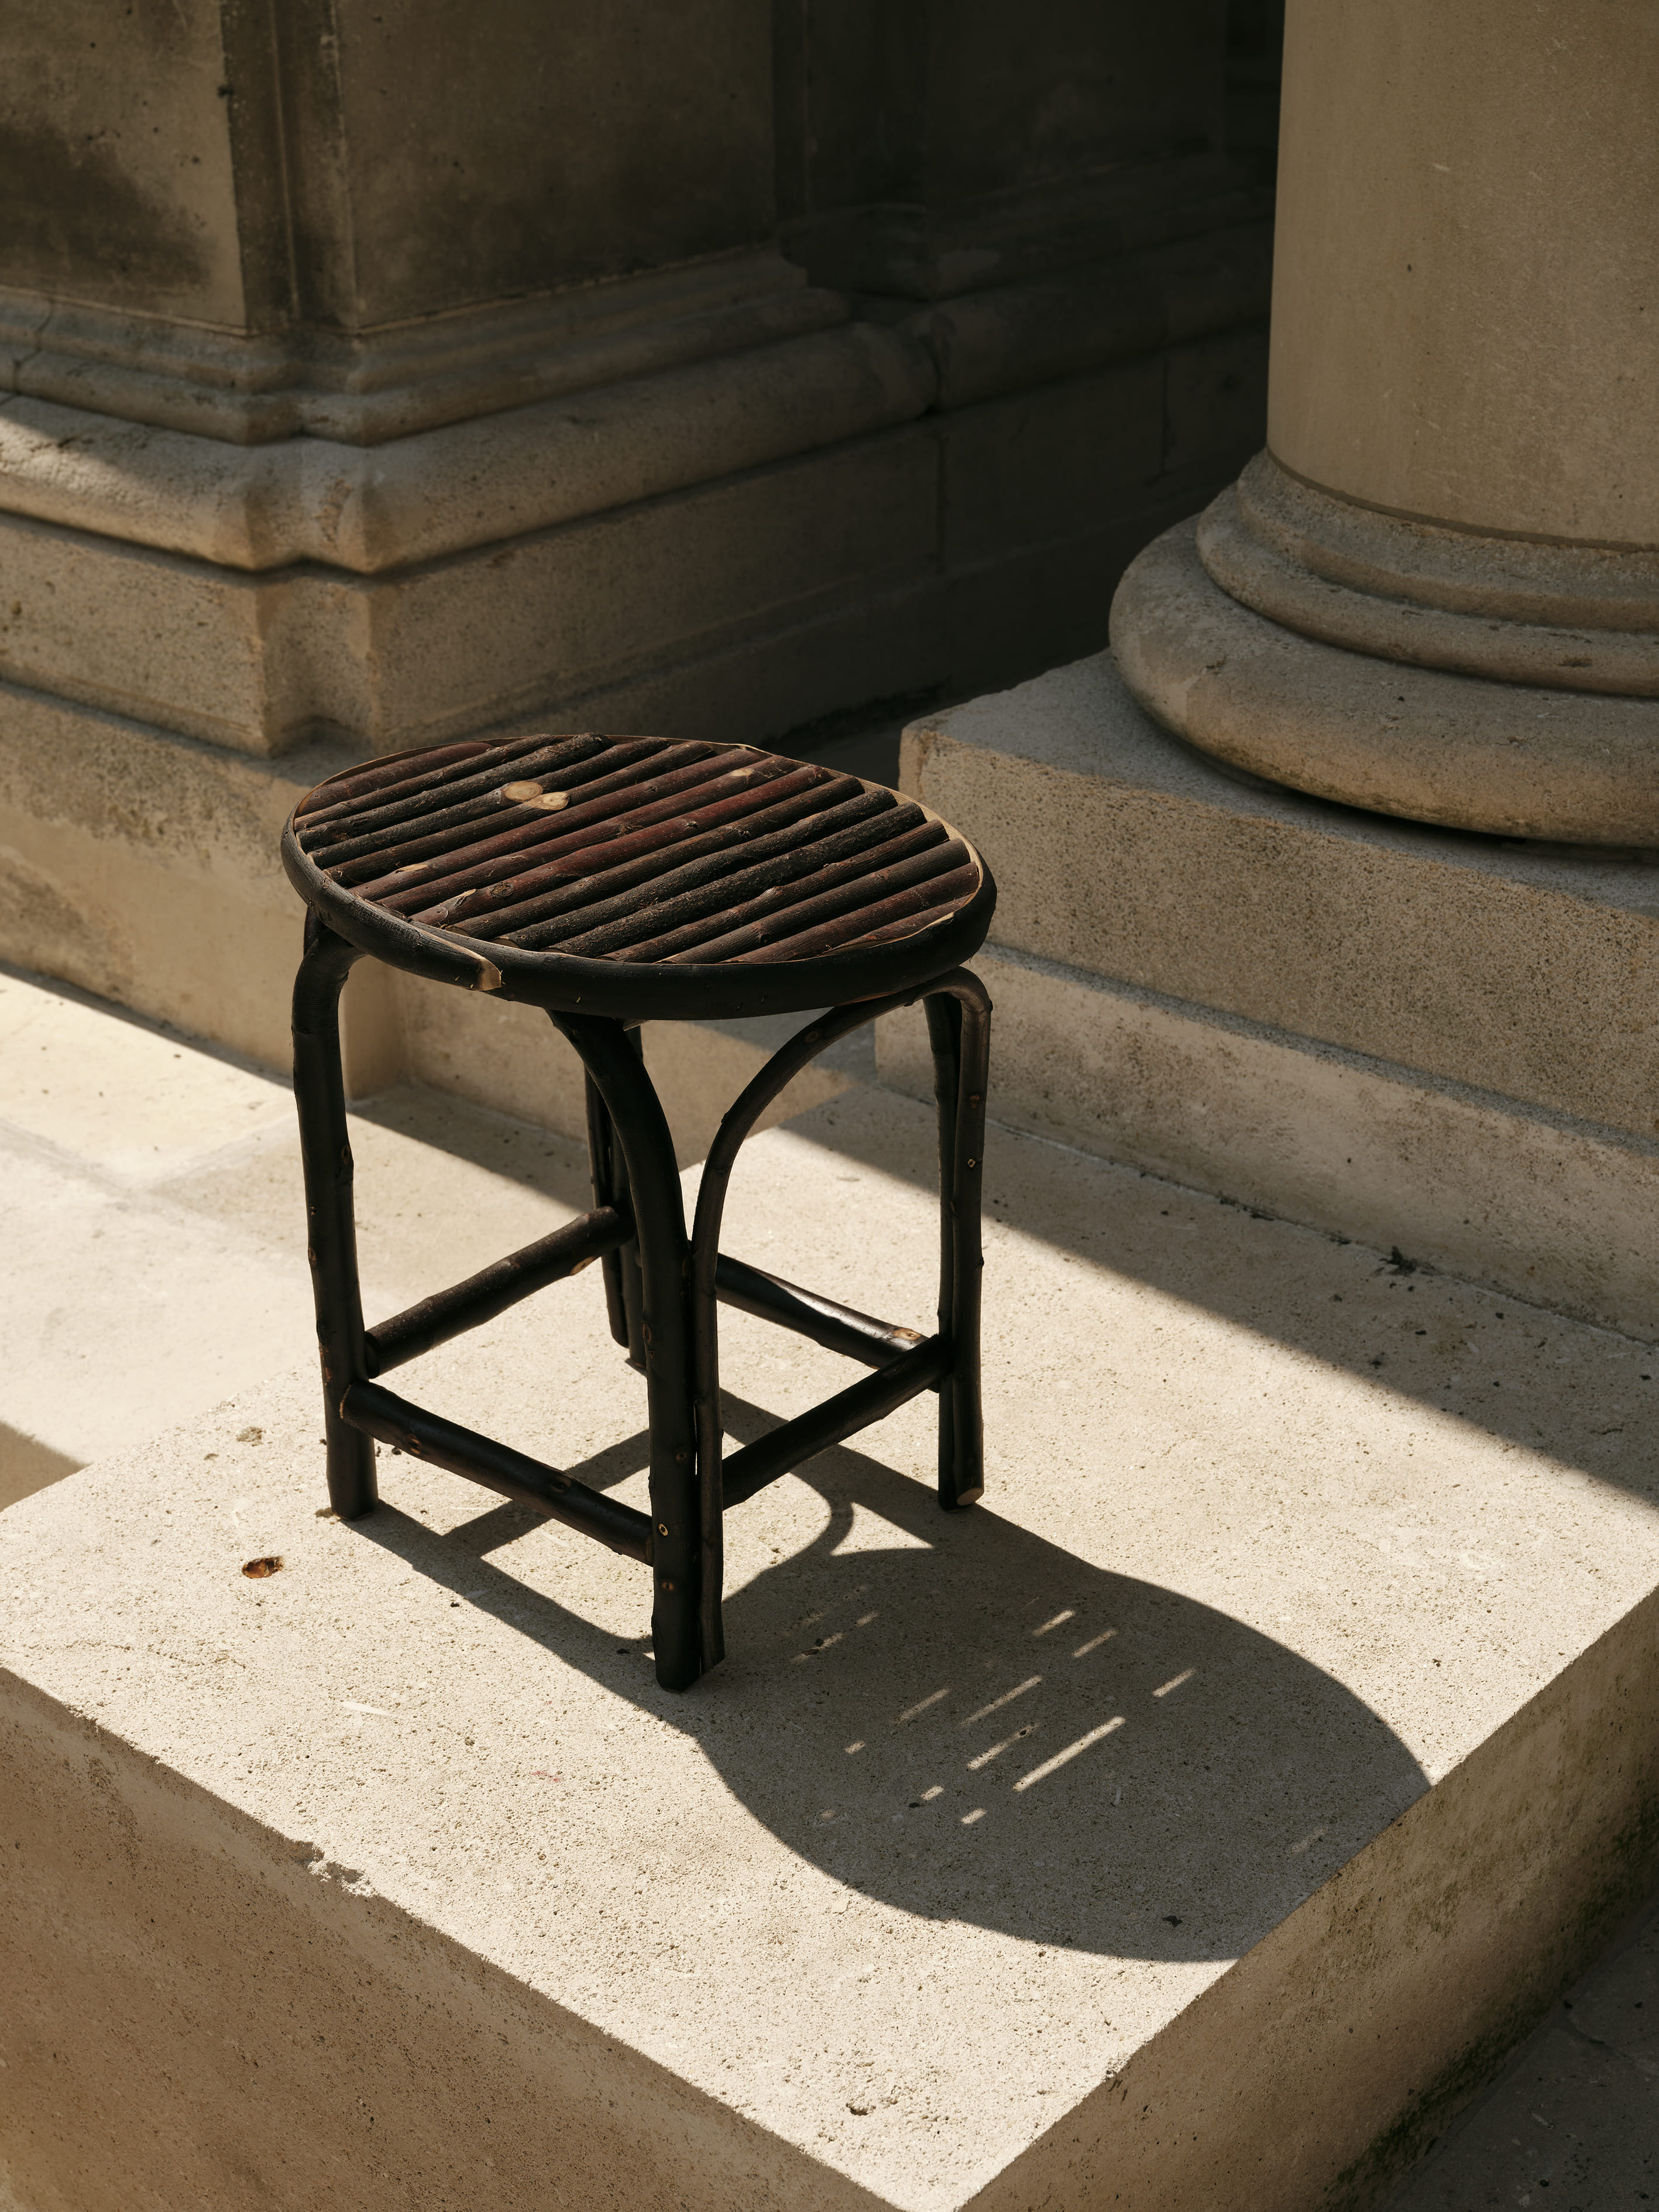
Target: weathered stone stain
[[77, 220]]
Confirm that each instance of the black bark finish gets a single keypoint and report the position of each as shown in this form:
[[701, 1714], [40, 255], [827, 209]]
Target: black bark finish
[[380, 1412], [663, 1288], [319, 1096]]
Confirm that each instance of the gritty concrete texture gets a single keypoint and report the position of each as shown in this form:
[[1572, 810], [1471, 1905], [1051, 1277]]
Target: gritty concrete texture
[[1198, 1822], [1507, 758], [150, 1208], [142, 214], [886, 568], [430, 385], [1006, 337], [922, 161], [1514, 584], [472, 483], [1561, 1213], [1530, 973], [1573, 2120], [1304, 1009], [262, 664], [341, 500], [362, 386], [1517, 580], [374, 168], [142, 867]]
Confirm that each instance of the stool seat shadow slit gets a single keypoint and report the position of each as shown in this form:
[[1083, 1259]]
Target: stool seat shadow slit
[[612, 881]]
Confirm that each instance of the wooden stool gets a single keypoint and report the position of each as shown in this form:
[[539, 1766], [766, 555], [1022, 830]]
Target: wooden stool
[[612, 881]]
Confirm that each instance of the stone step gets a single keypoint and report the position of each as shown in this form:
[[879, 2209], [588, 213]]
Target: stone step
[[1552, 1208], [1577, 2109], [1196, 1822], [1439, 1041]]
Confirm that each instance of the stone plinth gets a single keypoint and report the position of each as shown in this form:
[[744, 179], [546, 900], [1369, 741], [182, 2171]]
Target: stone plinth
[[1437, 1042], [1194, 1823]]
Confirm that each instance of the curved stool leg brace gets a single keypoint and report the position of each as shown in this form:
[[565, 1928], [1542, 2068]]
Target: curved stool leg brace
[[959, 1024]]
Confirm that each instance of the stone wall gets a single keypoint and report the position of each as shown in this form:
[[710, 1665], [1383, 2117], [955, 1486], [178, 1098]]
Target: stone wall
[[369, 382]]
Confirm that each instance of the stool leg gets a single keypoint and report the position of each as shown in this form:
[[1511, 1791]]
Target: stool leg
[[320, 1095], [959, 1029], [680, 1565], [623, 1294]]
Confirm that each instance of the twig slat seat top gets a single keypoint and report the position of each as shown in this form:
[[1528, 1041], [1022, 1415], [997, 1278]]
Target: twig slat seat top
[[640, 878]]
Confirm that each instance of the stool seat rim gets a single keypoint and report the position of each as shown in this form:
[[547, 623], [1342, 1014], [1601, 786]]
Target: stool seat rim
[[569, 983]]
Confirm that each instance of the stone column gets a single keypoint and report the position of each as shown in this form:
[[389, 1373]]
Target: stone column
[[1436, 592]]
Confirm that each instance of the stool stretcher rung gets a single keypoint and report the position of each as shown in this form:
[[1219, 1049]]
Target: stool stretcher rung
[[834, 1421], [836, 1328], [445, 1314], [559, 1497]]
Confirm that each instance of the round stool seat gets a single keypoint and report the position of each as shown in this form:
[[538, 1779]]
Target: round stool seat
[[641, 878]]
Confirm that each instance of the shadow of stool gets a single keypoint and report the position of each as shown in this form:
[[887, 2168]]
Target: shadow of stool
[[613, 881]]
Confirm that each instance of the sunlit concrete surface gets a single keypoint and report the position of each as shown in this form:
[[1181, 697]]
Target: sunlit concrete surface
[[153, 1221], [1196, 1822]]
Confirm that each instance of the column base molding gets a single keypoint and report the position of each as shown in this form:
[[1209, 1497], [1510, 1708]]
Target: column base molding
[[1526, 609], [365, 509], [732, 462], [1512, 758]]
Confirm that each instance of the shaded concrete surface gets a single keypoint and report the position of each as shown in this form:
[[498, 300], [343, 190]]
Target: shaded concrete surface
[[855, 745], [1572, 2123]]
